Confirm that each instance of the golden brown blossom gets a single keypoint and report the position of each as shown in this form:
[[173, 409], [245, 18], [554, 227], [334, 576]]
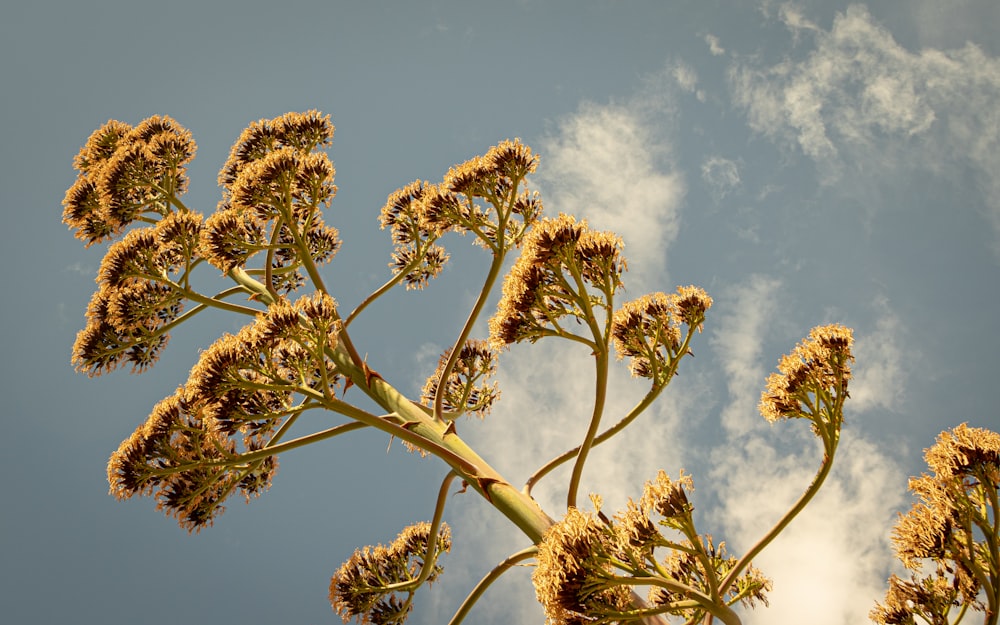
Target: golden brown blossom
[[965, 451], [284, 184], [560, 259], [667, 497], [246, 381], [467, 389], [573, 577], [953, 526], [647, 329], [275, 188], [101, 144], [931, 598], [229, 238], [812, 380], [179, 459], [82, 211], [124, 325], [360, 587], [303, 132], [125, 172]]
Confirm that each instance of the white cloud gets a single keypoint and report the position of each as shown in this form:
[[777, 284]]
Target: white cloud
[[737, 339], [861, 104], [686, 77], [722, 176], [714, 45], [832, 561], [607, 164], [881, 372]]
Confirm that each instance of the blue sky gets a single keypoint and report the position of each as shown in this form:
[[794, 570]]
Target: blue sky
[[804, 162]]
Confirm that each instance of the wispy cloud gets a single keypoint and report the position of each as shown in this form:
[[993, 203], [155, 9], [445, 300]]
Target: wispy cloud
[[881, 374], [861, 103], [737, 342], [714, 45], [609, 165], [722, 175]]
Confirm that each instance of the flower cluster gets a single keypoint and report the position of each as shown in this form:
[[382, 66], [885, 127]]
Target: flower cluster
[[275, 183], [560, 262], [178, 456], [407, 213], [647, 330], [953, 525], [575, 577], [125, 173], [131, 312], [243, 384], [931, 598], [421, 212], [811, 382], [466, 389], [495, 177], [589, 567], [376, 585]]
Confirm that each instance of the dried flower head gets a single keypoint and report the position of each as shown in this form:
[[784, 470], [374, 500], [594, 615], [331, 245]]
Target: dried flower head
[[414, 215], [952, 525], [812, 380], [125, 172], [185, 464], [496, 177], [361, 586], [931, 598], [966, 452], [668, 498], [125, 325], [303, 132], [467, 390], [647, 330], [561, 259], [574, 580]]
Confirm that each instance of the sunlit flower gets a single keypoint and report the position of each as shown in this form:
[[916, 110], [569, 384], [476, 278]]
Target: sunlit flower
[[573, 579], [178, 459], [467, 389], [544, 284], [360, 587], [303, 132], [812, 380]]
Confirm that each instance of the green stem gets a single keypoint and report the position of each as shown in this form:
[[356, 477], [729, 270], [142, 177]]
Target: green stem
[[600, 395], [379, 292], [600, 438], [421, 430], [463, 336], [431, 557], [830, 446], [696, 597], [477, 592]]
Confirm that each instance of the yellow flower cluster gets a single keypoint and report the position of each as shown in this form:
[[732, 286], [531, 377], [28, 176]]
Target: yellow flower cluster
[[244, 384], [589, 566], [275, 183], [466, 390], [376, 584], [421, 212], [647, 330], [125, 173], [560, 260], [811, 382], [953, 526]]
